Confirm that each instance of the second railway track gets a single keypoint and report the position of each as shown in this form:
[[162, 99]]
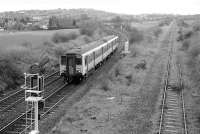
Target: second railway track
[[14, 103], [18, 96], [173, 118]]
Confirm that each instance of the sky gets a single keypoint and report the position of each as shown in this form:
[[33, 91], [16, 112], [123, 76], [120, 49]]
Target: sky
[[117, 6]]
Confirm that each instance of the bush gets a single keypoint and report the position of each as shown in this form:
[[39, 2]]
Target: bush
[[88, 28], [134, 35], [27, 44], [105, 85], [59, 51], [185, 45], [87, 31], [141, 65], [117, 71], [48, 44], [129, 78], [184, 36], [164, 23], [87, 39], [196, 27], [10, 75], [157, 32], [59, 37], [194, 51], [188, 34], [21, 55]]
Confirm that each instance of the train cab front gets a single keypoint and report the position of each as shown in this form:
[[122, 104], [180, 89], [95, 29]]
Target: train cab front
[[71, 67]]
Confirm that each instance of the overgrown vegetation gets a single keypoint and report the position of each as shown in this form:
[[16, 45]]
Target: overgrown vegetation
[[165, 22], [130, 79], [141, 65], [117, 71], [134, 34], [10, 75], [185, 45], [88, 28], [157, 31], [182, 23], [105, 85], [59, 37]]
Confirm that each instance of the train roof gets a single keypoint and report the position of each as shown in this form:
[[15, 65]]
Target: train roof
[[92, 45]]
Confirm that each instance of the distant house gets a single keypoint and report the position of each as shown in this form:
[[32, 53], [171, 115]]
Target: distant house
[[37, 18], [44, 27], [1, 29], [29, 23]]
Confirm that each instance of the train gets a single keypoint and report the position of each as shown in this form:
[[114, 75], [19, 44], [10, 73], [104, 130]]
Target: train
[[76, 64]]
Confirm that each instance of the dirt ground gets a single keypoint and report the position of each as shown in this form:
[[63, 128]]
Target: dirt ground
[[123, 101]]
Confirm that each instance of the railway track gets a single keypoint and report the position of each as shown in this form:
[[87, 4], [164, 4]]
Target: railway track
[[17, 126], [13, 105], [173, 118], [9, 101]]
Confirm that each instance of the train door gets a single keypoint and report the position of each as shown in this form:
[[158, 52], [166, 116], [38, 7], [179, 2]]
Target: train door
[[71, 66], [63, 61], [86, 64]]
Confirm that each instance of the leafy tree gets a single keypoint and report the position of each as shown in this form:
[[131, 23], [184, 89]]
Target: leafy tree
[[53, 22]]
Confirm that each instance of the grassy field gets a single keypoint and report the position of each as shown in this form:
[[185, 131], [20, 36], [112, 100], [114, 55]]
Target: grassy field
[[12, 39]]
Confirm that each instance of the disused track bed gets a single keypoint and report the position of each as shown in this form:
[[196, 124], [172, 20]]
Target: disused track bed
[[173, 118]]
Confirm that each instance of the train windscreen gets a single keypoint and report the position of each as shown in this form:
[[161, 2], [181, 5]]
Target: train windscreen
[[63, 60], [78, 60]]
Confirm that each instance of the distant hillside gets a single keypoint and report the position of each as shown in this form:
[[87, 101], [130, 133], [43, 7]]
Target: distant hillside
[[76, 13]]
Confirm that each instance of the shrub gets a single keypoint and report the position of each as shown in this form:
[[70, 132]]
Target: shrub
[[129, 78], [164, 23], [10, 75], [184, 36], [27, 44], [59, 37], [196, 27], [141, 65], [117, 71], [48, 44], [194, 51], [87, 39], [185, 45], [188, 34], [135, 35], [59, 51], [19, 54], [105, 85], [88, 28], [87, 31], [157, 32]]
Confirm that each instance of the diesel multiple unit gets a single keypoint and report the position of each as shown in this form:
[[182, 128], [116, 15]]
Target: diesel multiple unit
[[77, 63]]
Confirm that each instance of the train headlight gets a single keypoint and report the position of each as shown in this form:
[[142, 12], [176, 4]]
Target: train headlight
[[78, 71]]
